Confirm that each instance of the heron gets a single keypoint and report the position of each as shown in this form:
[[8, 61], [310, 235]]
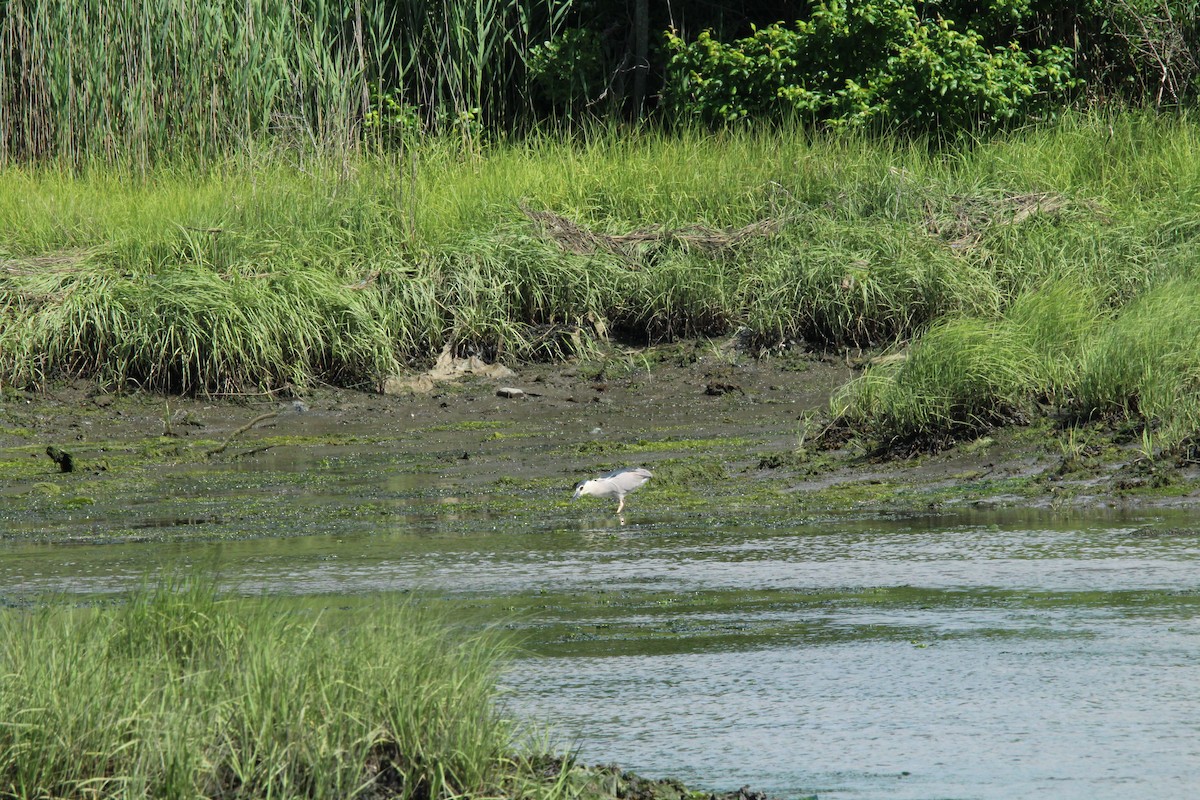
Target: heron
[[615, 484]]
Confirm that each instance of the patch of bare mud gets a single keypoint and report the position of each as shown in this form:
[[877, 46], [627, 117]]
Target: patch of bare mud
[[574, 417]]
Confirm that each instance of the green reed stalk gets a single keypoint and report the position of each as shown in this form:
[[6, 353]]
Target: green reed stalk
[[149, 81]]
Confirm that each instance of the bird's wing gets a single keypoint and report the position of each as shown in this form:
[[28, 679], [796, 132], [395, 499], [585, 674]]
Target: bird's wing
[[626, 480], [641, 472]]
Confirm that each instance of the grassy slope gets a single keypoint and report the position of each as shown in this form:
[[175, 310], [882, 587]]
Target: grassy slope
[[221, 696], [226, 697], [1025, 254]]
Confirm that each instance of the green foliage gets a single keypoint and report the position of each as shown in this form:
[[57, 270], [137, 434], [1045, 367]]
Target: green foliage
[[149, 81], [1054, 345], [133, 82], [567, 69], [179, 693], [881, 64], [1056, 322], [862, 283], [259, 274], [141, 82], [963, 376], [393, 121], [1146, 364]]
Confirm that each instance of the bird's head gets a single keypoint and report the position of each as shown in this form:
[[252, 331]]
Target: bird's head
[[584, 487]]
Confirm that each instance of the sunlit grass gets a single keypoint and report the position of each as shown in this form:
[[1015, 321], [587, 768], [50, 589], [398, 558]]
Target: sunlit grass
[[275, 268], [964, 375], [1055, 349], [178, 693], [1146, 364]]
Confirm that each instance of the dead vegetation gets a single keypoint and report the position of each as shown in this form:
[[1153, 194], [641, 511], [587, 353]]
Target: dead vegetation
[[969, 217], [58, 261], [572, 237]]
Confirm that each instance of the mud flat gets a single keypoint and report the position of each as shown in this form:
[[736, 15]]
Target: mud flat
[[716, 425]]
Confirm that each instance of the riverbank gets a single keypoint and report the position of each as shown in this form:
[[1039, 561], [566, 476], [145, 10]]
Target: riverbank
[[1050, 271], [724, 431], [719, 427], [224, 696]]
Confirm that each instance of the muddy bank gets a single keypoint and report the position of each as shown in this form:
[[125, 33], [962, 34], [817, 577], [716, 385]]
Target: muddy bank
[[717, 425], [611, 782]]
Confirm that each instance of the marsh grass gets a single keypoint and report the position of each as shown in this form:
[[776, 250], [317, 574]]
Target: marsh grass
[[1056, 349], [149, 82], [135, 82], [963, 376], [179, 693], [281, 267], [1145, 365]]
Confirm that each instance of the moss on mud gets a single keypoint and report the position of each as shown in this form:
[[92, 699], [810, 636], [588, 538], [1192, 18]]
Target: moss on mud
[[342, 460], [610, 782]]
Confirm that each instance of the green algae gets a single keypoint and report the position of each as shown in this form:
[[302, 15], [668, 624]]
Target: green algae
[[284, 481], [471, 425], [666, 445]]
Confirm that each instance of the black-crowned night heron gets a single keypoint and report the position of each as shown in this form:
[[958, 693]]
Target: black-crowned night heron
[[614, 484]]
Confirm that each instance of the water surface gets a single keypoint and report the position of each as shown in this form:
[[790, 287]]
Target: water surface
[[972, 656]]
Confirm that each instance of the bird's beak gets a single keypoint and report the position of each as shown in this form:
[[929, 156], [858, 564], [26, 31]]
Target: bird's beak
[[578, 491]]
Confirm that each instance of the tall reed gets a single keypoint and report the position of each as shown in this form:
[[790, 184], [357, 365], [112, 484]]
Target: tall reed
[[134, 83], [148, 81]]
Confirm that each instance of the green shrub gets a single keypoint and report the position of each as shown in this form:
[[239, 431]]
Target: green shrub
[[566, 69], [880, 63]]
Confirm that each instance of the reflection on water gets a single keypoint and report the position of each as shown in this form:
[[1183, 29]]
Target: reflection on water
[[981, 657]]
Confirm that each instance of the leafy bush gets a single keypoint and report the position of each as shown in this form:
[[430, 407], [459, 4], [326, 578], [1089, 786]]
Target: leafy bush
[[879, 63], [566, 68]]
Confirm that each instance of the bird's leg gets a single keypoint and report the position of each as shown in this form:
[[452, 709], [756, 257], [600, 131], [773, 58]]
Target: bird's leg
[[620, 504]]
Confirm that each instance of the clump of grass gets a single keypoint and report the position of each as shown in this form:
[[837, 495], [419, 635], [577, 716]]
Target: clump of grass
[[963, 376], [1056, 323], [862, 282], [190, 328], [1056, 346], [969, 373], [180, 694], [1145, 365]]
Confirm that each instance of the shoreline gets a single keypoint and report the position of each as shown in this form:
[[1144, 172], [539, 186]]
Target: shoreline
[[698, 413]]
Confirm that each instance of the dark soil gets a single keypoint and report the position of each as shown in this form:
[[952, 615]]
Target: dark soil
[[770, 410], [611, 782]]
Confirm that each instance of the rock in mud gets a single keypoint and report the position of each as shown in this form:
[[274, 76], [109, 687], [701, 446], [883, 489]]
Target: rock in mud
[[718, 388], [61, 457]]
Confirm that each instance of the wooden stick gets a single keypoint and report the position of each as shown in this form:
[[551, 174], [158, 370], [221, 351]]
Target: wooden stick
[[241, 430]]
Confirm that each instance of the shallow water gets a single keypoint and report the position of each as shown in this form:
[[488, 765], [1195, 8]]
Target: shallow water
[[979, 656]]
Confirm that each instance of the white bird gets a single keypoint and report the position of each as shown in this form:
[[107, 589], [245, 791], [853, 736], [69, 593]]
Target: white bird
[[614, 484]]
